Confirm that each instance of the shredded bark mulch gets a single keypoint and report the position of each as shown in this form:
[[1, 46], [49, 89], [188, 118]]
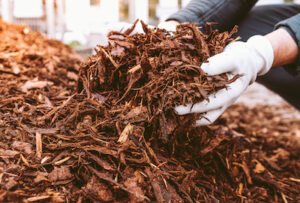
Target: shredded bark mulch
[[105, 130]]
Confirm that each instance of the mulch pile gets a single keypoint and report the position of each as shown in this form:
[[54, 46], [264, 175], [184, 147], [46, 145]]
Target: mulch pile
[[107, 131]]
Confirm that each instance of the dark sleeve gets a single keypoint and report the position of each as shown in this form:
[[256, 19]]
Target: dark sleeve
[[226, 13], [292, 25]]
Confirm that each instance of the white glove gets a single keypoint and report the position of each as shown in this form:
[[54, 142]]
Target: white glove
[[250, 59], [168, 25]]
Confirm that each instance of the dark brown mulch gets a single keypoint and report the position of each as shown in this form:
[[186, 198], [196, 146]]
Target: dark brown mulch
[[116, 138]]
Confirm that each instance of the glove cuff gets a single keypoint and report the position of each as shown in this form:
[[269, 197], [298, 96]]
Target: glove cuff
[[263, 48]]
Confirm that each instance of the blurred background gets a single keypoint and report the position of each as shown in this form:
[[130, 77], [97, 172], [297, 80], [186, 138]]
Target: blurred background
[[83, 23]]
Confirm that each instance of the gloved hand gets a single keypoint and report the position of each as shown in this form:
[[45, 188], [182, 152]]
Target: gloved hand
[[250, 59], [168, 25]]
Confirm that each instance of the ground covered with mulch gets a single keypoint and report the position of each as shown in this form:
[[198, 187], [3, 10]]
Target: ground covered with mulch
[[105, 129]]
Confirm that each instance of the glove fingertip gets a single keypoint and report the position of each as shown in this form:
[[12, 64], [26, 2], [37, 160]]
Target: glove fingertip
[[203, 121], [182, 110], [210, 68], [205, 67], [218, 64]]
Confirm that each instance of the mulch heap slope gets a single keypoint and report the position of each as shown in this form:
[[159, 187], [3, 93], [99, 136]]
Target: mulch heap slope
[[107, 131]]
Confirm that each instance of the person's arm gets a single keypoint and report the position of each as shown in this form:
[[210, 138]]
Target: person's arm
[[226, 13], [284, 46], [292, 26]]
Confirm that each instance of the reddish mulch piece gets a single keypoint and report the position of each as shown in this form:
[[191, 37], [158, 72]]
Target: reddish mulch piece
[[117, 138]]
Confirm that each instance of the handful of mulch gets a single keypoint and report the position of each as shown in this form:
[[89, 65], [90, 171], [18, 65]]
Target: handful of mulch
[[155, 71]]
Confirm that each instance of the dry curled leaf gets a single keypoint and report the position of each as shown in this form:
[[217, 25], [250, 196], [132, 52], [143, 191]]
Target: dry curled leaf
[[22, 146], [60, 173], [125, 133], [33, 84]]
